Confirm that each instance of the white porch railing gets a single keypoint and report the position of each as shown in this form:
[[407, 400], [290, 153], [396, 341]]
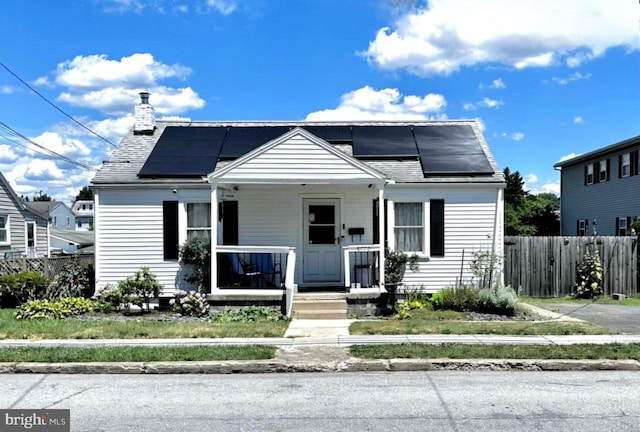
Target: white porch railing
[[362, 266]]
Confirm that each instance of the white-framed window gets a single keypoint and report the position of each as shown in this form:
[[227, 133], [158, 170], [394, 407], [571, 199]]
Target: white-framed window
[[623, 227], [4, 229], [625, 165], [602, 171], [409, 226], [583, 226], [199, 220], [589, 174], [31, 238]]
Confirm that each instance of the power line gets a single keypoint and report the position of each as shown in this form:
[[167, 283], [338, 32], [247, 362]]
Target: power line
[[55, 106], [7, 129]]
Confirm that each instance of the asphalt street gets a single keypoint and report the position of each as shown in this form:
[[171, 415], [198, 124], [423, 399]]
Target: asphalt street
[[409, 401]]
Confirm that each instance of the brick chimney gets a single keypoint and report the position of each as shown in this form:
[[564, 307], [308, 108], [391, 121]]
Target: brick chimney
[[145, 116]]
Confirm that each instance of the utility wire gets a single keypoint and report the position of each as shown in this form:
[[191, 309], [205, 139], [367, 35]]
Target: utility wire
[[7, 129], [55, 106]]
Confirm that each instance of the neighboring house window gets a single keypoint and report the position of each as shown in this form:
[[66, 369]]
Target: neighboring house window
[[588, 174], [31, 239], [408, 227], [622, 225], [68, 222], [583, 227], [199, 220], [4, 229], [625, 165], [603, 170], [55, 221]]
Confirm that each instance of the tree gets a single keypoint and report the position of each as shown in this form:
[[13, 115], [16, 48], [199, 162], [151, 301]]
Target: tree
[[42, 197], [543, 213], [515, 205], [86, 193]]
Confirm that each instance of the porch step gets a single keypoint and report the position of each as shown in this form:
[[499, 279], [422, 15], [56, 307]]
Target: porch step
[[320, 306]]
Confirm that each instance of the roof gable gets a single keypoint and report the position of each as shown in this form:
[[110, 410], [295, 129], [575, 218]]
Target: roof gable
[[297, 157], [18, 202]]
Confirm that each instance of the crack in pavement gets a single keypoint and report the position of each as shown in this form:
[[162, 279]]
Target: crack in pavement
[[444, 404], [66, 398], [29, 390]]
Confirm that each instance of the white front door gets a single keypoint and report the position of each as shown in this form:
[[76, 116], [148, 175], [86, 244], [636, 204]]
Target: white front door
[[322, 263]]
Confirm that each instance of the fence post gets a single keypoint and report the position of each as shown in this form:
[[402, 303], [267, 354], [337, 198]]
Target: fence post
[[47, 270]]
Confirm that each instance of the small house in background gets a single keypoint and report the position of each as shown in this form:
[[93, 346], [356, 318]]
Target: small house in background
[[60, 215], [83, 211], [23, 232], [297, 205], [71, 242], [601, 186]]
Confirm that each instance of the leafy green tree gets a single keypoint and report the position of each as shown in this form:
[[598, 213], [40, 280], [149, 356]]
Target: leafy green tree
[[86, 193], [42, 197]]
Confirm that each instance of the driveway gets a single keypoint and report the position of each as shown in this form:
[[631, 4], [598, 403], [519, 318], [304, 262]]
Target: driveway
[[624, 319]]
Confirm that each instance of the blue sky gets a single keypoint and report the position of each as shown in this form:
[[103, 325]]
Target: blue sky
[[547, 79]]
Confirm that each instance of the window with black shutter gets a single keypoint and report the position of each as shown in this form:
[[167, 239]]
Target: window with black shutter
[[170, 230], [436, 228]]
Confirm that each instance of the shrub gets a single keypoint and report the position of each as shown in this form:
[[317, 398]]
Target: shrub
[[109, 299], [196, 251], [74, 280], [249, 314], [59, 309], [403, 309], [589, 274], [140, 289], [498, 300], [190, 303], [23, 286], [462, 299]]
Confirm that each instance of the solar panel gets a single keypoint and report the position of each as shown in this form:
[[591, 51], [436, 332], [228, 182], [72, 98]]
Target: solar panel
[[331, 134], [384, 142], [241, 140], [184, 151], [451, 149]]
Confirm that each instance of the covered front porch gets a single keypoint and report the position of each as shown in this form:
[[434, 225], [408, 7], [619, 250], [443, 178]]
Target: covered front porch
[[296, 215]]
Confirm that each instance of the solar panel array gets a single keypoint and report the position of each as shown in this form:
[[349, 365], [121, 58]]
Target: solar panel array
[[193, 151]]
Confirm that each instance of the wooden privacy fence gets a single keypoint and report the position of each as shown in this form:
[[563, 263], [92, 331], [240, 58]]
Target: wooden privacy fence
[[50, 267], [546, 266]]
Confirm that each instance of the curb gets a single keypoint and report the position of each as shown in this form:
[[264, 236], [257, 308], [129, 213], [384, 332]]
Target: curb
[[351, 365]]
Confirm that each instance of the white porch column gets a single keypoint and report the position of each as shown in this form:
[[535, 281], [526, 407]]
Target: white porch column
[[214, 237], [381, 230]]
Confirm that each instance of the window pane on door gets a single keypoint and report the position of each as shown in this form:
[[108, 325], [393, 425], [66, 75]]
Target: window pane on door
[[322, 234], [322, 215]]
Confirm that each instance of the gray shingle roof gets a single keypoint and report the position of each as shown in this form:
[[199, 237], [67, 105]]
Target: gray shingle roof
[[127, 159]]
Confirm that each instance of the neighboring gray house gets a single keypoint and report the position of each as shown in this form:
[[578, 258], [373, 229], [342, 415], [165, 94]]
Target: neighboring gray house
[[23, 232], [603, 186], [60, 215], [68, 242], [83, 210], [297, 205]]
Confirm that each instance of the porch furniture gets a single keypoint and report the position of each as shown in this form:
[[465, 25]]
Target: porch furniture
[[254, 270]]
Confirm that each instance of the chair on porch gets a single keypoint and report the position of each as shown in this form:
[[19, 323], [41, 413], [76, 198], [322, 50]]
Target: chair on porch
[[254, 270], [263, 264]]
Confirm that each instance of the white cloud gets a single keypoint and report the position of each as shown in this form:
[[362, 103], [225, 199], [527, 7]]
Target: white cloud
[[548, 187], [531, 178], [469, 106], [497, 84], [569, 156], [517, 136], [7, 89], [573, 77], [225, 7], [450, 34], [7, 155], [485, 102], [367, 103], [578, 120]]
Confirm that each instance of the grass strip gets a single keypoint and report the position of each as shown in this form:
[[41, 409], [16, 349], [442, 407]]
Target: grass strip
[[481, 351], [420, 326], [11, 328], [136, 354]]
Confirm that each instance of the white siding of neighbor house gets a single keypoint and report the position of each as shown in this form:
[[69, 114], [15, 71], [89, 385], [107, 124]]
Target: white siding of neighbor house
[[296, 159], [17, 228], [470, 215]]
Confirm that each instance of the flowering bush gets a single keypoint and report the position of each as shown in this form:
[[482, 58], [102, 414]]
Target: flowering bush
[[109, 299], [589, 275], [189, 303]]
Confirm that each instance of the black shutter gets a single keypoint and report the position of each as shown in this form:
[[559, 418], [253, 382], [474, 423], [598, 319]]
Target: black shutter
[[633, 160], [230, 223], [586, 174], [578, 227], [436, 228], [376, 222], [596, 172], [619, 166], [617, 226], [608, 169], [170, 229]]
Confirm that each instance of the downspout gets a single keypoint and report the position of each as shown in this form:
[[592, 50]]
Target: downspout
[[498, 232], [381, 231], [96, 237]]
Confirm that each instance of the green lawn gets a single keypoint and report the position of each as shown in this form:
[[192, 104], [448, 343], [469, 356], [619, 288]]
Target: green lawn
[[629, 301], [464, 351], [447, 322], [136, 354], [11, 328]]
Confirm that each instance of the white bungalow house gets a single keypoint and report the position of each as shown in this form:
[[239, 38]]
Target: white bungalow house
[[297, 205]]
